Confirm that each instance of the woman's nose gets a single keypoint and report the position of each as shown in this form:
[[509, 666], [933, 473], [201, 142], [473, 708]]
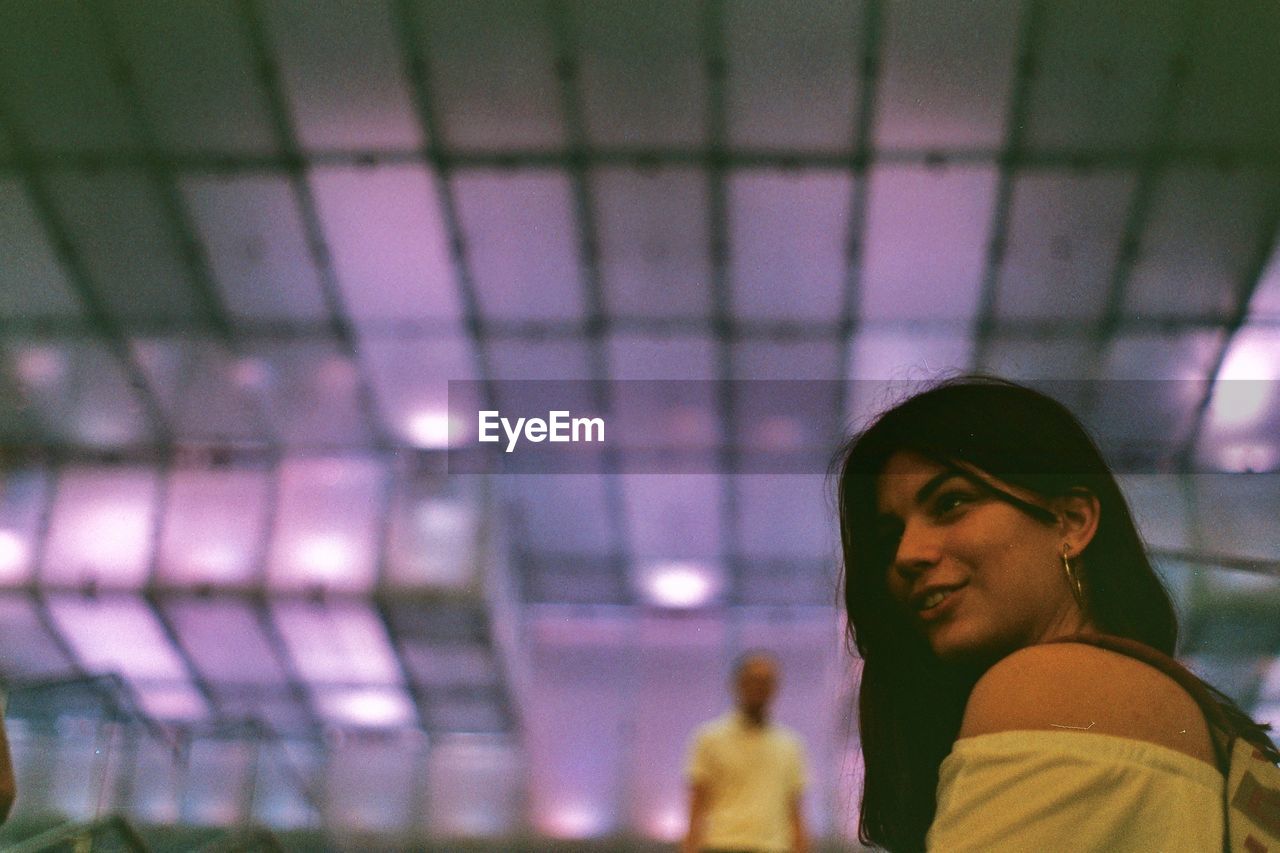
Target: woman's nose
[[917, 550]]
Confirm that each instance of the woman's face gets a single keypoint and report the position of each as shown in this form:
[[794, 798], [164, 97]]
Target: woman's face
[[978, 576]]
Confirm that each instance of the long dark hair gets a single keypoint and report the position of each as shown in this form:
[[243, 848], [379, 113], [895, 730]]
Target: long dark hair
[[910, 703]]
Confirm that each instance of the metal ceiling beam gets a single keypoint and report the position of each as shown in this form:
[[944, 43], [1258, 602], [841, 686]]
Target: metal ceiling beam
[[1150, 167], [1025, 53], [1266, 246], [597, 323], [239, 162], [723, 328], [863, 144], [162, 176], [260, 605], [101, 322], [384, 516], [340, 327], [443, 162], [164, 475], [676, 327]]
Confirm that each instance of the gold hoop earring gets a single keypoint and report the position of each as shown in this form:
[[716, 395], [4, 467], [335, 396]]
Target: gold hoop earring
[[1074, 583]]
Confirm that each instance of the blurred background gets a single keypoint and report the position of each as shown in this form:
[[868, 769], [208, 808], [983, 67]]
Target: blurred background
[[246, 244]]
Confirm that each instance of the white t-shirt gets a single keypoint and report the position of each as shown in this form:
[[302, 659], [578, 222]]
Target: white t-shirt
[[752, 775], [1049, 790]]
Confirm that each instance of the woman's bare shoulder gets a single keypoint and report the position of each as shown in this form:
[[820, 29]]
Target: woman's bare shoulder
[[1078, 687]]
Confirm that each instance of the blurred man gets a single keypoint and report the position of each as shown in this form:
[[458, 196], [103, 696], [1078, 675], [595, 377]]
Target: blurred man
[[746, 775]]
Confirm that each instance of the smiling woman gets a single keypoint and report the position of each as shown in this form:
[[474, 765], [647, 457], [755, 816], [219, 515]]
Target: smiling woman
[[1017, 691]]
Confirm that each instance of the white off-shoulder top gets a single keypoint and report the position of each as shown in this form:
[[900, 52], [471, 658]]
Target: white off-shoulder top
[[1074, 791]]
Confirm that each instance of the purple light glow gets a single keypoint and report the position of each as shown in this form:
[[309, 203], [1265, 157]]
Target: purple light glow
[[117, 634], [101, 528], [1247, 388], [371, 707], [326, 528], [40, 366], [323, 557], [337, 644], [680, 584], [213, 526], [430, 430], [177, 702], [1249, 457], [13, 558], [572, 821], [667, 825]]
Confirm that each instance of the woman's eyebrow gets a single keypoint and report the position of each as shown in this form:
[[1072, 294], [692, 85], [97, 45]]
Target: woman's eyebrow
[[923, 493]]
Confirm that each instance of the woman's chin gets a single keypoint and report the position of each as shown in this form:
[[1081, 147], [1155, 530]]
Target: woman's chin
[[951, 644]]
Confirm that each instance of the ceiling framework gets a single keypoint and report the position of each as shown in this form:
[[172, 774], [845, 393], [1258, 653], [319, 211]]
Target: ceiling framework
[[247, 246]]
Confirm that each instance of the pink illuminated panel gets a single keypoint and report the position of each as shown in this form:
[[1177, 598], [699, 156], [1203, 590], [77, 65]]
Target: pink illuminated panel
[[384, 227], [681, 680], [907, 354], [796, 503], [435, 533], [654, 255], [200, 386], [493, 74], [520, 228], [226, 641], [787, 244], [1198, 245], [29, 258], [945, 75], [791, 81], [411, 379], [926, 242], [371, 784], [101, 527], [343, 74], [31, 650], [1063, 243], [674, 517], [214, 523], [576, 712], [216, 773], [337, 644], [562, 513], [366, 707], [1244, 413], [326, 527], [117, 634], [310, 390], [192, 72], [24, 492], [257, 246], [642, 74], [78, 392], [475, 786]]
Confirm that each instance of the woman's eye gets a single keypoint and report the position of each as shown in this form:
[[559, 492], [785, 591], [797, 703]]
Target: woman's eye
[[948, 501]]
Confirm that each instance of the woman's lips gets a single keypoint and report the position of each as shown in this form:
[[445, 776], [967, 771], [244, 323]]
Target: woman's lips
[[940, 604]]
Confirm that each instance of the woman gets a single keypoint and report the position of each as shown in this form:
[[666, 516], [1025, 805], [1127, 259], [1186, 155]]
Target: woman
[[980, 527]]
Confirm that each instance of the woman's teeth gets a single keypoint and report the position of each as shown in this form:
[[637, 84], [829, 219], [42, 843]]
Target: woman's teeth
[[933, 599]]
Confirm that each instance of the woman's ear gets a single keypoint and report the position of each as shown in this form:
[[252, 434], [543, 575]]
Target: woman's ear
[[1078, 512]]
